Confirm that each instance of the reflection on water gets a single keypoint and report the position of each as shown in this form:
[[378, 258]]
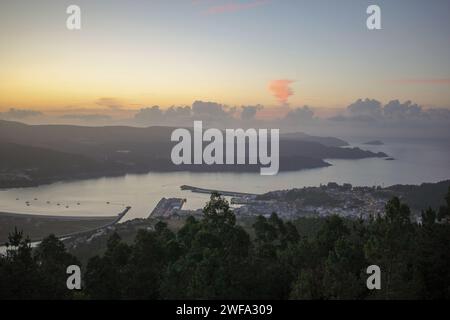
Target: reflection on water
[[414, 164]]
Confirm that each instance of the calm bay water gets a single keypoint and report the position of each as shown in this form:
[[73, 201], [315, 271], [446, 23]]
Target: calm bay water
[[415, 163]]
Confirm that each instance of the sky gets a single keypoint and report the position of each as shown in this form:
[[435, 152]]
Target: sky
[[276, 53]]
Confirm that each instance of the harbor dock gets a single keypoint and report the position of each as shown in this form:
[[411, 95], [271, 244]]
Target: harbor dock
[[221, 192]]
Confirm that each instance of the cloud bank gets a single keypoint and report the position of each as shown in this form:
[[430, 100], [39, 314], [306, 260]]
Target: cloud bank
[[370, 110], [111, 103], [363, 118], [209, 112], [19, 114]]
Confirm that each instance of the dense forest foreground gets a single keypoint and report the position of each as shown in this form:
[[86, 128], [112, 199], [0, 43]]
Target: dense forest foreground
[[215, 258]]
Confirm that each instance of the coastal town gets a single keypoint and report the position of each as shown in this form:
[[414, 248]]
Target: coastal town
[[347, 201], [325, 200]]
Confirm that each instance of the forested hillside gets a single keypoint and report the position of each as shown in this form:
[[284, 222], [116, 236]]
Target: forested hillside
[[214, 258]]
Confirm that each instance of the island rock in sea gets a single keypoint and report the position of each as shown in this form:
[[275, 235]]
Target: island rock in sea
[[374, 143]]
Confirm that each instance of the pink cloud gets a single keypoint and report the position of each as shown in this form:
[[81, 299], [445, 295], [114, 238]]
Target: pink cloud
[[281, 90], [234, 7], [425, 81]]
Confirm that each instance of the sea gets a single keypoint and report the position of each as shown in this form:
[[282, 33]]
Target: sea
[[415, 162]]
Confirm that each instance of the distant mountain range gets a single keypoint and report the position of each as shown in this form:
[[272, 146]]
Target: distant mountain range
[[35, 154], [326, 141]]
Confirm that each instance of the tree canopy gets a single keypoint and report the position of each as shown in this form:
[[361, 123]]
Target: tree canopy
[[215, 258]]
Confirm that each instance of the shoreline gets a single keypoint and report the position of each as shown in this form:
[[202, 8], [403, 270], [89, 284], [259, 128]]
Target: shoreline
[[54, 217], [101, 176], [50, 181], [38, 227]]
